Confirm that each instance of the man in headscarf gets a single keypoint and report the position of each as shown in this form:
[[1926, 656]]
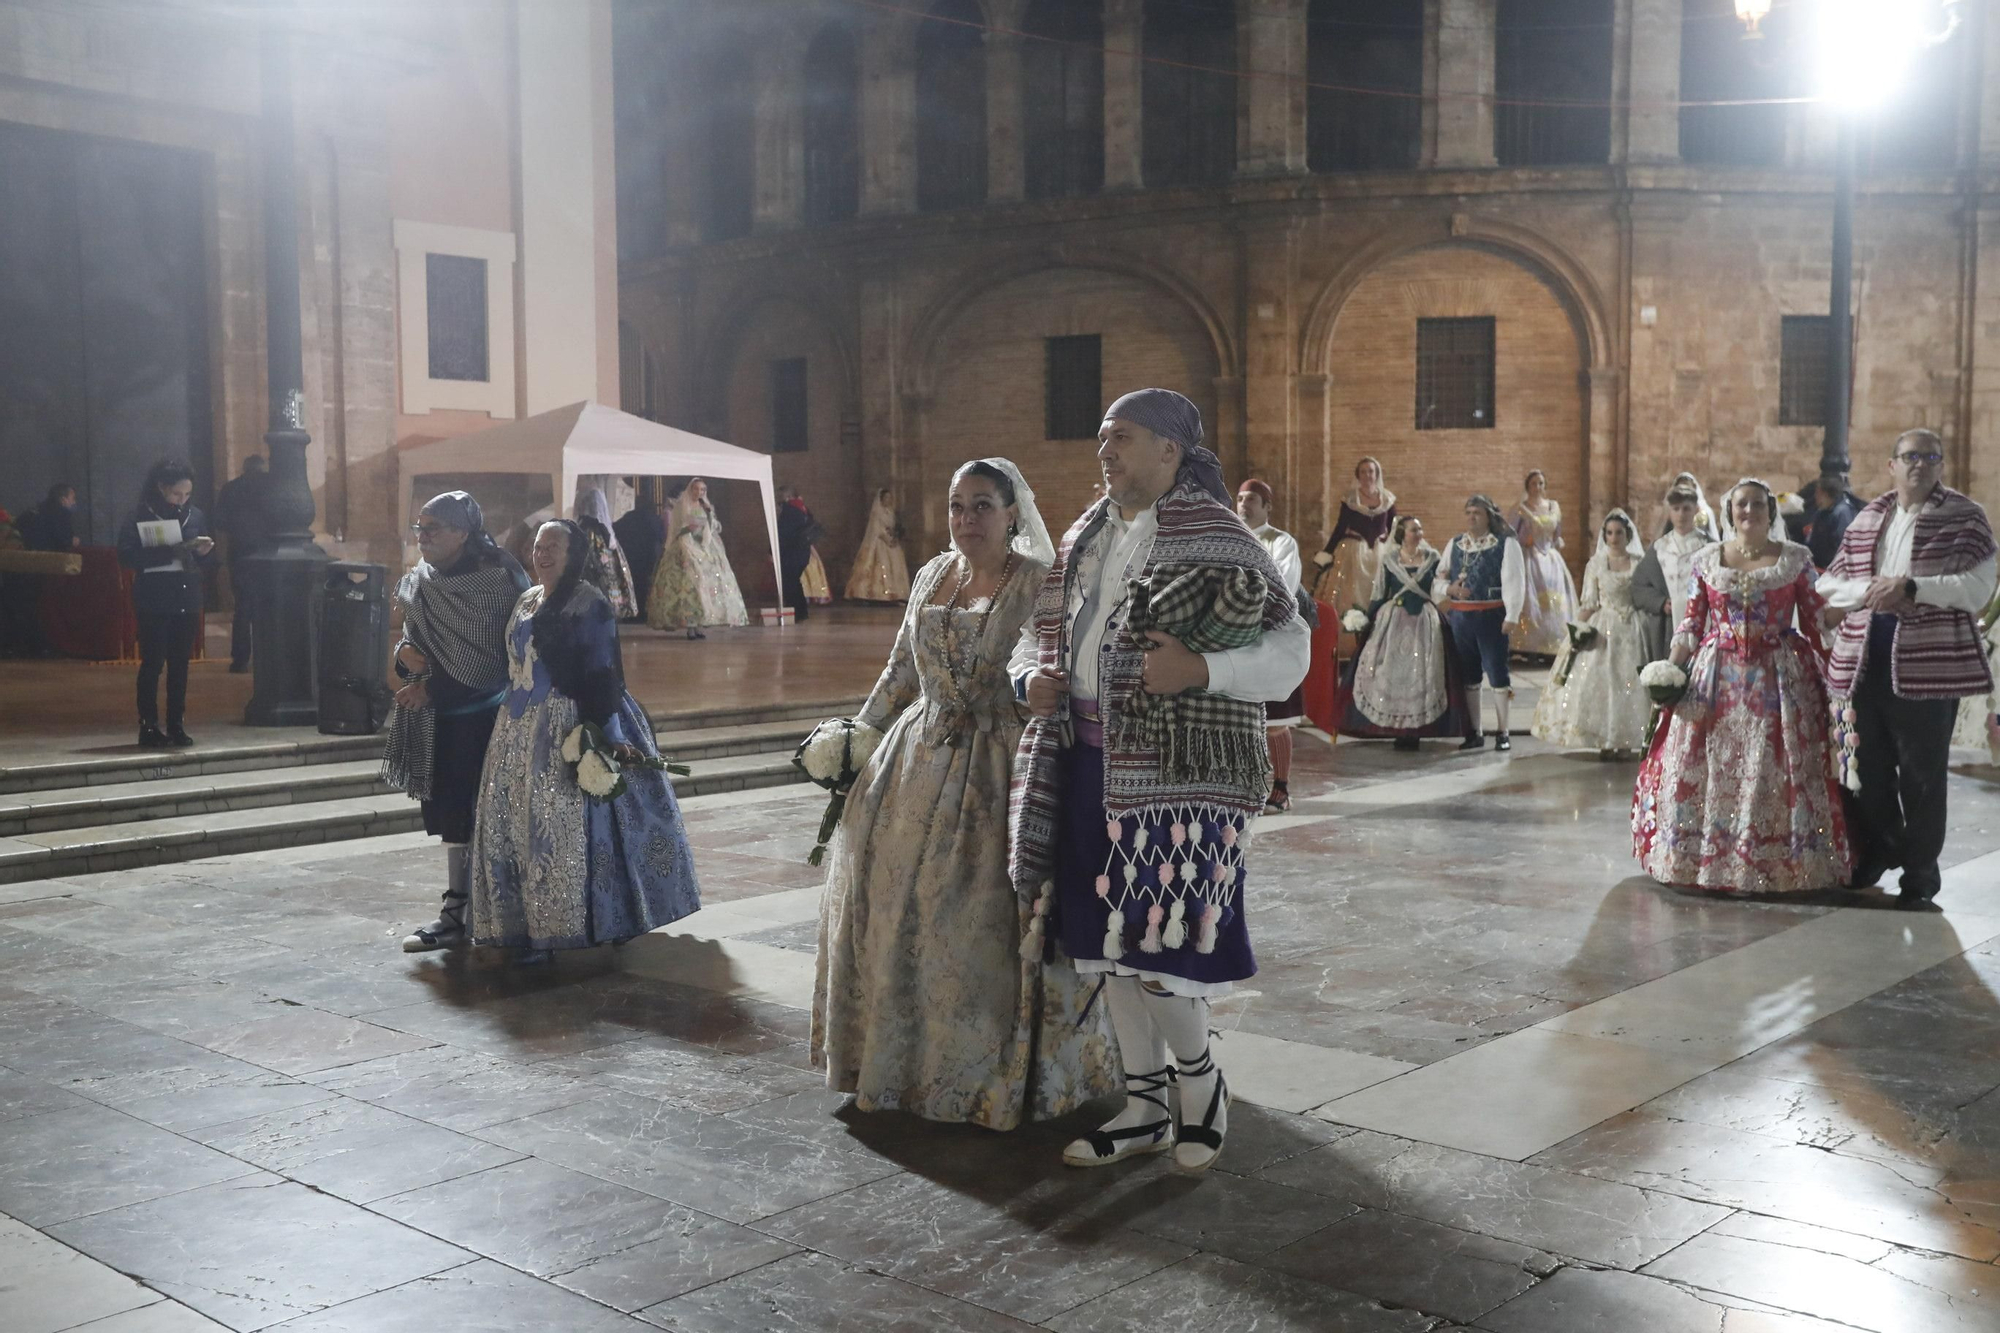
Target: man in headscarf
[[1157, 638], [453, 662], [1484, 584]]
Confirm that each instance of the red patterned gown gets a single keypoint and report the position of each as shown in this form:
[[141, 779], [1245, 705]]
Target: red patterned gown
[[1738, 790]]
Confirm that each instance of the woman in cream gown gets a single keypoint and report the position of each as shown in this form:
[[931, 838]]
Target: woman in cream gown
[[1601, 705], [922, 1002], [1551, 601], [881, 574], [1976, 727], [694, 585]]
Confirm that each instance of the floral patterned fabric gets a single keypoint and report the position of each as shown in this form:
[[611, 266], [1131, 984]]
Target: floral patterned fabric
[[1551, 594], [1738, 791], [922, 1002], [1602, 705], [694, 584]]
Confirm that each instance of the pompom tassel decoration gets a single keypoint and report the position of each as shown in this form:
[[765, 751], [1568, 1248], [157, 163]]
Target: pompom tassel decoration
[[1114, 936], [1175, 935], [1031, 943], [1205, 940], [1150, 942]]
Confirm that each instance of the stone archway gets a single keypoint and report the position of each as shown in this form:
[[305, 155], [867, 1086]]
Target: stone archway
[[1542, 408]]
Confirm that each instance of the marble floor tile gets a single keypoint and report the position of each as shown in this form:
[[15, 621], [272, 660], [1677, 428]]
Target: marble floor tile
[[1518, 1094], [194, 1097], [45, 1286], [160, 1317], [353, 1150], [1896, 1202], [1207, 1293], [294, 1039], [732, 1170], [1855, 1121], [976, 1251], [1598, 1221], [72, 1163], [1418, 1265], [697, 1253], [725, 966], [1296, 1076], [1235, 1216], [483, 1296], [461, 1090], [22, 1096], [1583, 1300], [691, 1077], [1928, 1295], [255, 1252], [811, 1293], [1259, 1137]]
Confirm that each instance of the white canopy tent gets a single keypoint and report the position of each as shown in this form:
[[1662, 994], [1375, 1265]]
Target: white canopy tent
[[584, 439]]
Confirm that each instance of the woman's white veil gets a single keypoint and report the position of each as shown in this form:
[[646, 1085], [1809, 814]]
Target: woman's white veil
[[1635, 546], [1031, 539]]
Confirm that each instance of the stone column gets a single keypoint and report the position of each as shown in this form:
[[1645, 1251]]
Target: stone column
[[888, 117], [1124, 128], [1271, 104], [1270, 355], [1005, 164], [1651, 55], [1604, 484], [1312, 508], [1465, 83]]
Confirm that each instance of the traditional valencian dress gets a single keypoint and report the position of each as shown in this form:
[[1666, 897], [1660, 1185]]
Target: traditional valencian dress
[[607, 567], [1975, 726], [553, 868], [922, 1002], [1352, 554], [881, 572], [1407, 681], [813, 581], [1600, 704], [694, 585], [1551, 594], [1739, 789]]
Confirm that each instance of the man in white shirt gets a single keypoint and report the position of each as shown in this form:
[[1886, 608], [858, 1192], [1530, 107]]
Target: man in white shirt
[[1145, 759], [1481, 585], [1253, 506], [1660, 583], [1914, 569]]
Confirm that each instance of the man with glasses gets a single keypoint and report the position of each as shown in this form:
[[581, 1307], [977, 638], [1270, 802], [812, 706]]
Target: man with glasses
[[1913, 569]]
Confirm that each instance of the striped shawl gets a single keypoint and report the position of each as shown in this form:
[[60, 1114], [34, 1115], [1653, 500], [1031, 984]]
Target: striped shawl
[[1937, 652], [1208, 581]]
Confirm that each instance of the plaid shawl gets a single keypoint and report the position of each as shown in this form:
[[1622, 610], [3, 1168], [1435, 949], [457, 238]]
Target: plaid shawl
[[1937, 653], [1202, 562], [459, 622]]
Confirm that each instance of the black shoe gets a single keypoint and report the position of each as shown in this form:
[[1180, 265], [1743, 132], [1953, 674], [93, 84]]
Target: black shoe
[[1503, 742], [179, 739], [1907, 901], [1473, 743], [151, 737], [1868, 874], [1405, 743]]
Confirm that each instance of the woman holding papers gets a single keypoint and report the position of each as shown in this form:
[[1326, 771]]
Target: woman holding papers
[[166, 542]]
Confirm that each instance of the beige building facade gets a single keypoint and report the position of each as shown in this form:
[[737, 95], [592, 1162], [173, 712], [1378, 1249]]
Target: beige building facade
[[454, 163], [1271, 211]]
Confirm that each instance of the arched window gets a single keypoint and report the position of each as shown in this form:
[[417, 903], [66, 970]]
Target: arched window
[[1062, 76], [1365, 65], [1189, 92], [1548, 53], [951, 107], [833, 151], [729, 148]]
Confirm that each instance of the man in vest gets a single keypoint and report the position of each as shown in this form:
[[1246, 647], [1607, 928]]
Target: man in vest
[[1913, 569], [1482, 586]]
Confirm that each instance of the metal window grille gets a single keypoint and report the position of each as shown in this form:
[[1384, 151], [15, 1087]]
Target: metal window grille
[[1455, 373], [1376, 48], [788, 406], [1802, 370], [455, 293], [1073, 387]]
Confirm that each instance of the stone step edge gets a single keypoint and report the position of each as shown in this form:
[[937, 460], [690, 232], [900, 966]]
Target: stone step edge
[[129, 845]]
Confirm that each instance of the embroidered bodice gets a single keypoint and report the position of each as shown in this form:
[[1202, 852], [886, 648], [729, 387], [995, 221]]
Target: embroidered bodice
[[950, 663], [1539, 529], [1749, 613]]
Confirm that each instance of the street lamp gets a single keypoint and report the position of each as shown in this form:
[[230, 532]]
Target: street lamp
[[1752, 12]]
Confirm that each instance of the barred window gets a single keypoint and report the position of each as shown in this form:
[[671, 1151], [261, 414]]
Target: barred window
[[455, 293], [788, 406], [1455, 373], [1802, 370], [1072, 387]]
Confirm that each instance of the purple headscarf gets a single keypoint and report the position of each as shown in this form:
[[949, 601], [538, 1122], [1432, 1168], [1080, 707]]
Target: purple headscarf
[[1173, 416]]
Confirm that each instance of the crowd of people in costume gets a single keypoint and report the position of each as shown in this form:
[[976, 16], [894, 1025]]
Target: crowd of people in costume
[[1040, 874]]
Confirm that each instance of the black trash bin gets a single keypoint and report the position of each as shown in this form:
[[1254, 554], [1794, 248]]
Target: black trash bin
[[354, 693]]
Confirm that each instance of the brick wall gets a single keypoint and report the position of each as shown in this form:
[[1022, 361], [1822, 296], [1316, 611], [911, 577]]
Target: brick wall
[[1538, 407], [987, 371]]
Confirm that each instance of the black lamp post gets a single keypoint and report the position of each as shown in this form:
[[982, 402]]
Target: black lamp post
[[1833, 459], [284, 579]]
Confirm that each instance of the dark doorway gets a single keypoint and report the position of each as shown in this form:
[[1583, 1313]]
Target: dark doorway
[[103, 320]]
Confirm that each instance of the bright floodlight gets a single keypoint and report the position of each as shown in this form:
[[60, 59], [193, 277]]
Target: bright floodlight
[[1752, 13], [1865, 47]]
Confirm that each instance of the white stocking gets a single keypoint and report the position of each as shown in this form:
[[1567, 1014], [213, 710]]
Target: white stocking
[[1183, 1021], [1476, 720], [1501, 698], [1141, 1047]]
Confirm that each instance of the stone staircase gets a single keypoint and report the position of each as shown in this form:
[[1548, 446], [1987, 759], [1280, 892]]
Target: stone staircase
[[114, 812]]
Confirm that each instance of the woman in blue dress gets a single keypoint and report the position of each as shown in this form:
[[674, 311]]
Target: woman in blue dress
[[553, 867]]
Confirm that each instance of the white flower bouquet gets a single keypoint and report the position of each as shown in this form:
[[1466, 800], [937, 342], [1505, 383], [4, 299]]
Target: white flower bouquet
[[1582, 637], [1355, 621], [832, 757], [1323, 558], [595, 764], [1665, 684]]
